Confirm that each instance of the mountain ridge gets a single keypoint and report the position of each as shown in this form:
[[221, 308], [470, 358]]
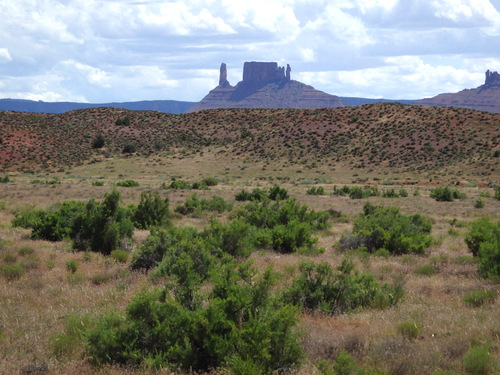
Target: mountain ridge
[[24, 105]]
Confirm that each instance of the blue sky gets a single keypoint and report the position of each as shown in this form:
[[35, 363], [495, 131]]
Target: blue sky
[[103, 51]]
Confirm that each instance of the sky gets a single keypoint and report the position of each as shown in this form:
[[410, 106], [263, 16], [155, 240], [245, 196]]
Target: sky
[[100, 51]]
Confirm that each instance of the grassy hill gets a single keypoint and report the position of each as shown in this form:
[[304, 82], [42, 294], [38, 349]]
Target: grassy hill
[[389, 136]]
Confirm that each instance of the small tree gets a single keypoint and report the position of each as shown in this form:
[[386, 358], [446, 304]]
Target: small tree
[[98, 141], [151, 211]]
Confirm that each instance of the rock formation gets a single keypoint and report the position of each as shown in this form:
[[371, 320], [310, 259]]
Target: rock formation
[[492, 79], [265, 85], [223, 82], [483, 98], [262, 72]]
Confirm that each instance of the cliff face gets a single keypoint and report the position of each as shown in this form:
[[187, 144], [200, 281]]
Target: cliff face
[[483, 98], [265, 85]]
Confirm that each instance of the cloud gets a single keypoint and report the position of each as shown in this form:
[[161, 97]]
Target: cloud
[[404, 77], [136, 49], [5, 55]]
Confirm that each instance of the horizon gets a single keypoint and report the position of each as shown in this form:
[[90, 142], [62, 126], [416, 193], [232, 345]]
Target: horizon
[[141, 50]]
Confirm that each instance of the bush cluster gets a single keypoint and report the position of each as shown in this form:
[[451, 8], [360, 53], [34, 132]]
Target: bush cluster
[[284, 225], [93, 225], [127, 183], [320, 190], [275, 193], [204, 184], [386, 228], [446, 194], [483, 240], [240, 325], [194, 205], [356, 192], [319, 287]]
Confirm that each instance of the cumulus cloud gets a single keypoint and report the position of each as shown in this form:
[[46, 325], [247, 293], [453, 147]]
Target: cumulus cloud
[[170, 49]]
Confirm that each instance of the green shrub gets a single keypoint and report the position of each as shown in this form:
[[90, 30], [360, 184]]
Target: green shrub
[[403, 193], [480, 297], [4, 179], [98, 141], [120, 255], [319, 287], [256, 195], [497, 193], [210, 181], [277, 193], [129, 148], [25, 250], [425, 270], [98, 183], [9, 258], [284, 225], [123, 121], [344, 364], [292, 237], [383, 253], [325, 368], [235, 238], [385, 227], [479, 203], [356, 192], [12, 272], [128, 183], [195, 205], [168, 245], [179, 184], [240, 324], [70, 340], [71, 266], [446, 194], [101, 278], [483, 240], [390, 193], [320, 190], [477, 361], [151, 211], [26, 218], [50, 264], [409, 330], [102, 226]]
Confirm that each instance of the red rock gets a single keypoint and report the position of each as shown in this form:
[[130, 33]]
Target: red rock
[[483, 98], [265, 85]]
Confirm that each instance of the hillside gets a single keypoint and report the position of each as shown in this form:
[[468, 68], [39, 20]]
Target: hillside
[[396, 137], [483, 98]]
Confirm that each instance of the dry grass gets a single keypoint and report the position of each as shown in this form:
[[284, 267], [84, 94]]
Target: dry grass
[[35, 307]]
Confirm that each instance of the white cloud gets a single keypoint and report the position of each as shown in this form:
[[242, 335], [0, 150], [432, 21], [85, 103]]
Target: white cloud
[[94, 76], [135, 49], [5, 55], [405, 77]]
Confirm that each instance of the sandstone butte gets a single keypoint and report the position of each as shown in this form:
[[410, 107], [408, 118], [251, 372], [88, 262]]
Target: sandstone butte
[[265, 85], [483, 98]]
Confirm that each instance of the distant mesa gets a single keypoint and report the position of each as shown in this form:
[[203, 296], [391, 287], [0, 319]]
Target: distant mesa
[[265, 85], [483, 98]]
